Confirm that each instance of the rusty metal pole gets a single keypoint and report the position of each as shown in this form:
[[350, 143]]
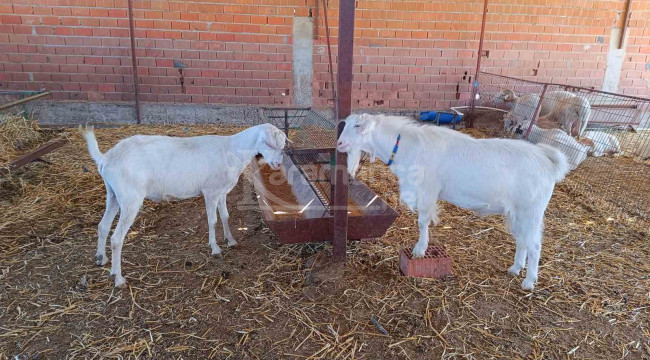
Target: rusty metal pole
[[472, 103], [344, 95], [329, 54], [533, 121], [134, 60], [626, 21]]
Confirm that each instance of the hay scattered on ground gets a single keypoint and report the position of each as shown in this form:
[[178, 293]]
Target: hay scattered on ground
[[271, 301], [17, 136]]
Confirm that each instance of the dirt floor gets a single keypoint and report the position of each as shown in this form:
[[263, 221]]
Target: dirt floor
[[269, 301]]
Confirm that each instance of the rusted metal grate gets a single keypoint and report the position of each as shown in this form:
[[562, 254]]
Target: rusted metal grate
[[306, 128], [316, 166]]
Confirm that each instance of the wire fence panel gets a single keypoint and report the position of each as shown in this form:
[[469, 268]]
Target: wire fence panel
[[304, 127], [313, 139], [605, 136]]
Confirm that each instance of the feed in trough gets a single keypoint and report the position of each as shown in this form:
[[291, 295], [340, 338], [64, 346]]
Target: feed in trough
[[282, 199], [295, 200]]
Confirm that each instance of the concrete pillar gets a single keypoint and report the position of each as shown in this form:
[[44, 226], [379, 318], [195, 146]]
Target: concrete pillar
[[615, 58], [303, 73]]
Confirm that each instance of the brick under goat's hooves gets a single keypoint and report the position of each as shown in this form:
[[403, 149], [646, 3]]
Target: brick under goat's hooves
[[435, 263]]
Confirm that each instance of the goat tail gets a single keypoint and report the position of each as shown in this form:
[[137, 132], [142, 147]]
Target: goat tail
[[559, 160], [88, 133], [583, 118]]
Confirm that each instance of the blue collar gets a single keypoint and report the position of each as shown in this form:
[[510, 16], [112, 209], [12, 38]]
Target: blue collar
[[392, 156]]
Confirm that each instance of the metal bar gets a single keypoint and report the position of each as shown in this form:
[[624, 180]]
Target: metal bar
[[315, 19], [344, 95], [472, 104], [533, 121], [24, 100], [282, 117], [286, 122], [571, 86], [134, 60], [283, 108], [626, 20], [313, 151], [310, 182], [329, 54], [613, 106], [26, 159]]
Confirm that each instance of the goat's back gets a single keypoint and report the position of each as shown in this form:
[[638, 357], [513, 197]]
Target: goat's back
[[163, 167]]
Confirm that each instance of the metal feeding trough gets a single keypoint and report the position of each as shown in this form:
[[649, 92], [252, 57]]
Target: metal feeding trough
[[295, 200]]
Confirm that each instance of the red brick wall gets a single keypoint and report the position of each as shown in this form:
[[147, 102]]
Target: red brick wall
[[408, 54]]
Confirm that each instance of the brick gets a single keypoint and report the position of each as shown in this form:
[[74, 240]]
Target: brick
[[10, 19]]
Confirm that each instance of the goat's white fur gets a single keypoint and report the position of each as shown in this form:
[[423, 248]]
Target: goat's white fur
[[163, 168], [604, 143], [490, 176], [563, 108], [574, 151], [571, 113]]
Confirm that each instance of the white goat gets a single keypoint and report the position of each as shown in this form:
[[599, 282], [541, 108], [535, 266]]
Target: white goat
[[604, 143], [575, 152], [571, 113], [562, 108], [550, 99], [490, 176], [164, 168]]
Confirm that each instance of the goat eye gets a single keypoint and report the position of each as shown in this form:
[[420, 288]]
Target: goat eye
[[357, 126]]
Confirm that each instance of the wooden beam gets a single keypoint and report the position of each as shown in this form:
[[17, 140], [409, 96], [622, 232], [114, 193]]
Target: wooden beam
[[34, 155], [22, 101]]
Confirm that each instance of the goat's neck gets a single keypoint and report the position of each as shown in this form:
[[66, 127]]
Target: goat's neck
[[381, 145], [244, 145]]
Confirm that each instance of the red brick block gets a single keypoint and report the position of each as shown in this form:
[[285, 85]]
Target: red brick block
[[10, 19], [275, 20], [436, 263], [284, 67]]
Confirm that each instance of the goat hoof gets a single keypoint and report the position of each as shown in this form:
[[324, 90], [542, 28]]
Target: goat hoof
[[418, 252], [232, 243], [514, 271], [101, 260], [217, 256], [528, 285], [120, 282]]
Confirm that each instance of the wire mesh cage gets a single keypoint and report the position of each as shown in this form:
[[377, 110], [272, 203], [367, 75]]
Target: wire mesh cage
[[313, 139], [605, 136], [316, 167], [306, 128]]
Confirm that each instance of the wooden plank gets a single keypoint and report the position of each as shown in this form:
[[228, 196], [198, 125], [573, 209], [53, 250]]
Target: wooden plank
[[28, 158], [21, 101]]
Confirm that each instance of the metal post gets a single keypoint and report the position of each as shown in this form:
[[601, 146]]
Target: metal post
[[329, 53], [315, 19], [626, 20], [472, 103], [135, 63], [286, 122], [344, 95], [533, 121]]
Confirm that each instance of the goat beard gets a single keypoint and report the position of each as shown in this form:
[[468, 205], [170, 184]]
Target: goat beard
[[354, 158]]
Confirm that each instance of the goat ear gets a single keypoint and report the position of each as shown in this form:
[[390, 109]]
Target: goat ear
[[366, 123], [275, 139]]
